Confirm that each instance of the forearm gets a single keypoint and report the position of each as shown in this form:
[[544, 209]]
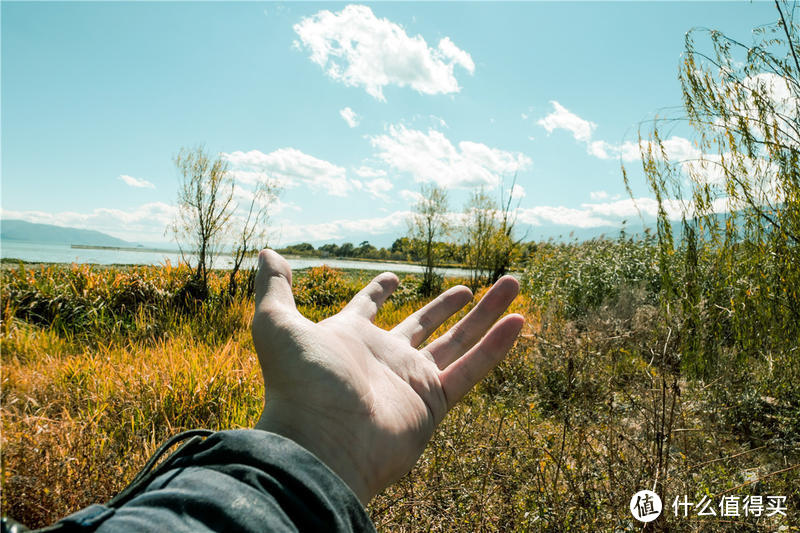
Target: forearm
[[337, 451]]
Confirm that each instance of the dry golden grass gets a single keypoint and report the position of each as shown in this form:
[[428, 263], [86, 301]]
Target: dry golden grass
[[556, 439], [81, 413]]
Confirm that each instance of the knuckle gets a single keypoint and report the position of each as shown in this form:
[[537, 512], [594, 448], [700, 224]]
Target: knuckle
[[458, 335], [425, 322]]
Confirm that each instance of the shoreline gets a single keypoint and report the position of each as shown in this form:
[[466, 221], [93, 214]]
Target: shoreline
[[123, 248], [9, 263], [292, 256]]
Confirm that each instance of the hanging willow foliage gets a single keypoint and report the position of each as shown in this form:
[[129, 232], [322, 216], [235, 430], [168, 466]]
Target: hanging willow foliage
[[733, 280]]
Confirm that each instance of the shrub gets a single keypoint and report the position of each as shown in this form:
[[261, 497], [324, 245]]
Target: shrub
[[579, 277], [323, 286]]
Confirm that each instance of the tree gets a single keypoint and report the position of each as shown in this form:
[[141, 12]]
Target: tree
[[329, 250], [365, 249], [479, 228], [346, 249], [504, 246], [250, 233], [489, 235], [736, 190], [427, 225], [205, 206]]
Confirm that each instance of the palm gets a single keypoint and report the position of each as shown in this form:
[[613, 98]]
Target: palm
[[365, 389]]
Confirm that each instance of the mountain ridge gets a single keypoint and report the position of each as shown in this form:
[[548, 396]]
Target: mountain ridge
[[22, 231]]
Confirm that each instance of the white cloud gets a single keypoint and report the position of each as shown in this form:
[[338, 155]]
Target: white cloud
[[517, 191], [562, 118], [278, 206], [379, 187], [629, 151], [431, 157], [623, 208], [369, 172], [600, 149], [251, 177], [707, 168], [566, 216], [136, 182], [594, 215], [458, 56], [680, 149], [699, 167], [775, 88], [145, 223], [644, 206], [291, 167], [412, 197], [360, 50], [774, 91], [350, 117], [438, 121], [272, 201], [761, 173], [677, 150], [338, 229]]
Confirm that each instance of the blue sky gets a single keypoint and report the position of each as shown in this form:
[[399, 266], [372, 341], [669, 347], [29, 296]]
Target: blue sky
[[349, 107]]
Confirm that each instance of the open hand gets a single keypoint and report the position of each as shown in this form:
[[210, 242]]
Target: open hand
[[363, 399]]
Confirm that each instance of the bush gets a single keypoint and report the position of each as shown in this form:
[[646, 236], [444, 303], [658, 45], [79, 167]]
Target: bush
[[576, 278], [323, 286]]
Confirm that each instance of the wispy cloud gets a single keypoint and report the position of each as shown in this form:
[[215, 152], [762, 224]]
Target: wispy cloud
[[359, 49], [560, 215], [517, 191], [350, 117], [369, 172], [412, 197], [378, 188], [562, 118], [136, 182], [612, 213], [290, 168], [431, 157], [339, 229], [676, 149]]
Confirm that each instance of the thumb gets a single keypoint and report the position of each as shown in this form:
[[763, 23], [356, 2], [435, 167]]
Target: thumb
[[273, 283]]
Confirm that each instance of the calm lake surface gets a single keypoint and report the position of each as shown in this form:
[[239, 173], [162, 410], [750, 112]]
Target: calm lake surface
[[59, 253]]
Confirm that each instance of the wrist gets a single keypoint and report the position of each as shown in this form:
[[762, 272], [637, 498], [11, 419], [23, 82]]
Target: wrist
[[333, 451]]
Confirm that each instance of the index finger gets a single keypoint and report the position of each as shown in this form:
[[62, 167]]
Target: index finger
[[370, 299], [421, 324]]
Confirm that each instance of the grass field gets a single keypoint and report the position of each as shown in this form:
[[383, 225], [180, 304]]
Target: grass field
[[595, 402]]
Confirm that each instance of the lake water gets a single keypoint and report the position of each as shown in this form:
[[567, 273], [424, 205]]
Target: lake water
[[60, 253]]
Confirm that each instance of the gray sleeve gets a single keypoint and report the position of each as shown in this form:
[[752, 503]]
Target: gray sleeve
[[242, 481]]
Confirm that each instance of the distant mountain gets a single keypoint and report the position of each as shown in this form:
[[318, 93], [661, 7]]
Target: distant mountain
[[19, 230]]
